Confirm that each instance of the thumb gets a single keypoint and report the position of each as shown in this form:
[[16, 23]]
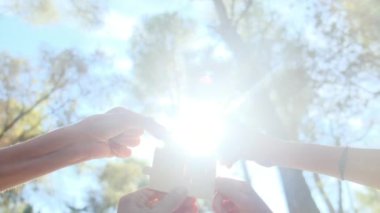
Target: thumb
[[172, 200]]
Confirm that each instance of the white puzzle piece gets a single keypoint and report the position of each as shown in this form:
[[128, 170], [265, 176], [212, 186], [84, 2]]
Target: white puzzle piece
[[172, 168]]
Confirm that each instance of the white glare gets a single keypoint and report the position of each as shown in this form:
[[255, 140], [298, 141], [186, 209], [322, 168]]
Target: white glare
[[198, 128], [355, 123]]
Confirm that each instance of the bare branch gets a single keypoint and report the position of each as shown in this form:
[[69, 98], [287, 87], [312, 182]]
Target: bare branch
[[25, 112], [374, 93], [248, 5], [25, 135], [232, 8], [340, 197], [227, 30]]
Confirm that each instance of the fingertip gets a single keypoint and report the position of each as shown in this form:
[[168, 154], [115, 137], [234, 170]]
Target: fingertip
[[125, 153], [117, 109], [134, 142], [217, 201]]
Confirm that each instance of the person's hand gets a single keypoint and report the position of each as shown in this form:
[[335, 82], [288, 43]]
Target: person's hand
[[241, 143], [234, 196], [112, 133], [150, 201]]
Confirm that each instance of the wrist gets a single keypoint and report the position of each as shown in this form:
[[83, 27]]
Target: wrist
[[268, 151], [279, 152], [290, 154], [76, 144], [86, 145]]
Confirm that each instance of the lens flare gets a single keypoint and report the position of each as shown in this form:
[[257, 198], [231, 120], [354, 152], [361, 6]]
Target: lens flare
[[198, 128]]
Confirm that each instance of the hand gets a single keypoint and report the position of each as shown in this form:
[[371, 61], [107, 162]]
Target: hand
[[150, 201], [112, 133], [241, 143], [235, 196]]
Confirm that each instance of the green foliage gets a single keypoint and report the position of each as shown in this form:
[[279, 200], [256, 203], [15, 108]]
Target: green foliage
[[156, 49], [41, 94], [369, 200], [36, 96], [170, 63], [363, 17], [29, 91], [118, 178], [30, 94], [279, 72], [15, 205], [27, 127], [86, 12]]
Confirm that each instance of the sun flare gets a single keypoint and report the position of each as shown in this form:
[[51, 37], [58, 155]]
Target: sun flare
[[198, 128]]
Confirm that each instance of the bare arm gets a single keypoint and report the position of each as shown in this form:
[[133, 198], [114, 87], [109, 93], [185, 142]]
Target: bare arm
[[361, 165], [104, 135], [39, 156]]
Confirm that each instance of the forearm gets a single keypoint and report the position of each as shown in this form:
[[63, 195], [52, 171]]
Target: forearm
[[39, 146], [103, 135], [37, 157], [361, 165], [311, 157]]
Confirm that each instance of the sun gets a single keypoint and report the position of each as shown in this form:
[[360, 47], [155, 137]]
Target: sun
[[198, 127]]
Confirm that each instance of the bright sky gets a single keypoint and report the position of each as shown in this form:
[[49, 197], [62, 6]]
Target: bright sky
[[21, 38]]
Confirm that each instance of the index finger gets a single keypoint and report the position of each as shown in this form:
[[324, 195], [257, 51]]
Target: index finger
[[122, 119]]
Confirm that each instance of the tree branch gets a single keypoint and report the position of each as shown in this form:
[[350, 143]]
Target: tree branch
[[326, 199], [227, 30], [24, 112], [24, 135], [298, 195], [248, 5]]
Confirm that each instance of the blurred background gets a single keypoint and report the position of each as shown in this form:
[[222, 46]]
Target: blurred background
[[301, 70]]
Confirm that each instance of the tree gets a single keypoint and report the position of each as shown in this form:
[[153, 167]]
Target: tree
[[238, 83], [85, 12], [281, 113], [31, 93], [39, 94], [155, 58], [24, 98], [280, 75], [369, 200], [117, 179]]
